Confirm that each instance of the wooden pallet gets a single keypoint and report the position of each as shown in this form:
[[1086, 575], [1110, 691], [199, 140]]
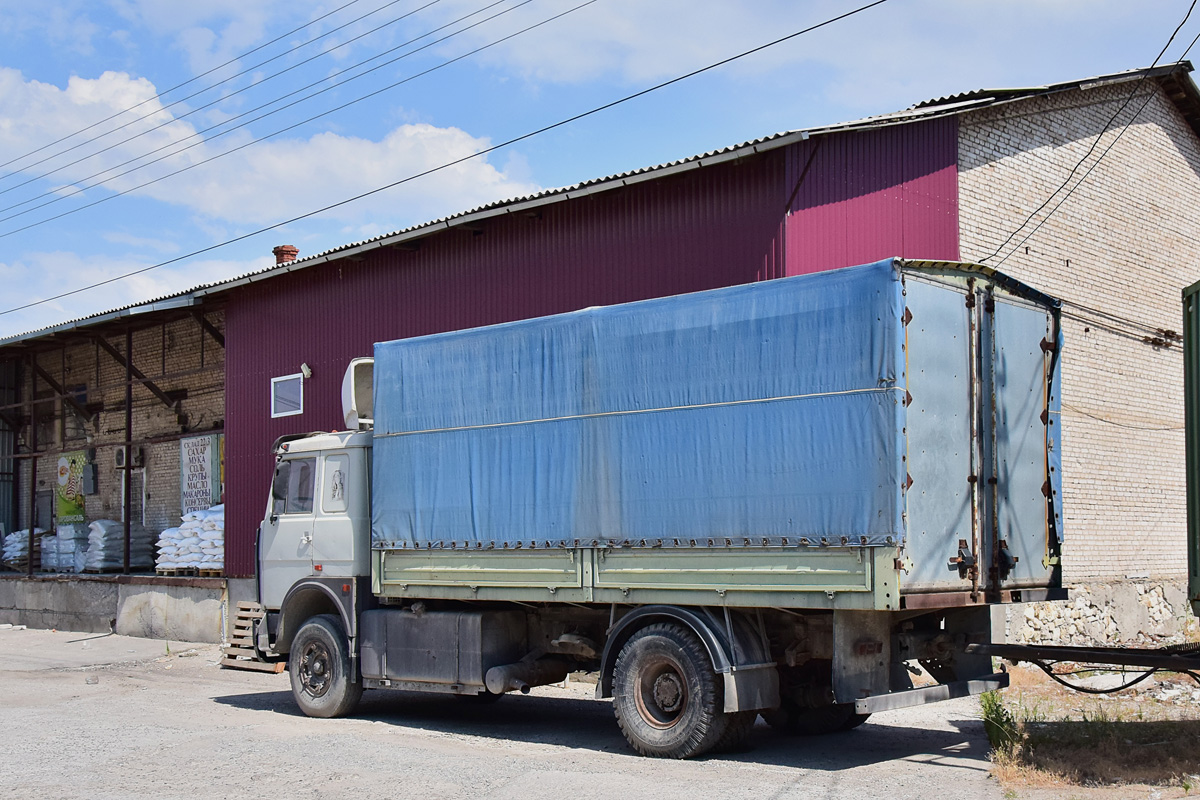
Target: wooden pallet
[[239, 652], [22, 564], [211, 573], [105, 570], [176, 572]]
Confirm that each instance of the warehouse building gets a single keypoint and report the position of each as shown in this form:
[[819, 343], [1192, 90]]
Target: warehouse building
[[949, 179]]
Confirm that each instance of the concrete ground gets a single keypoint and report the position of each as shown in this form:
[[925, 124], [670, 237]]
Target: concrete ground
[[105, 716]]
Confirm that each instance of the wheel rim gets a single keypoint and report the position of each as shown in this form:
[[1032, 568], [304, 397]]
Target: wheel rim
[[314, 669], [662, 693]]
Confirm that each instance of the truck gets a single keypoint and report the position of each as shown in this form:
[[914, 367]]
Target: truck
[[783, 499]]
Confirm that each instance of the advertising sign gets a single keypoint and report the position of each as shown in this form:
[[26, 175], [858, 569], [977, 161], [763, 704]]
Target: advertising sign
[[68, 493], [200, 472]]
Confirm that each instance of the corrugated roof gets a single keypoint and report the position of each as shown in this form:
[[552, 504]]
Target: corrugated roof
[[1173, 77]]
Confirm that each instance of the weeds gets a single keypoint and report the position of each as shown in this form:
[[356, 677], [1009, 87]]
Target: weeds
[[1002, 728], [1043, 737]]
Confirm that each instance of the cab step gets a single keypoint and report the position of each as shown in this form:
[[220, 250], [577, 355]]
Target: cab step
[[239, 652]]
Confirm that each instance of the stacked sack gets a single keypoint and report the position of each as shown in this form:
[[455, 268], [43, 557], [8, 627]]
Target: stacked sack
[[72, 547], [198, 543], [16, 550], [106, 546], [48, 547]]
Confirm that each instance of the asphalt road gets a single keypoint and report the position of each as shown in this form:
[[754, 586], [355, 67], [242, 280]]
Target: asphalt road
[[97, 717]]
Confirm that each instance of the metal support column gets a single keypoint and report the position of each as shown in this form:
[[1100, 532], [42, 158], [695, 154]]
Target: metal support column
[[128, 488], [33, 461]]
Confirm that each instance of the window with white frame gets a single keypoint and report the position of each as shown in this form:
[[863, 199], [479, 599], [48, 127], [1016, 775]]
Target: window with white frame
[[287, 395]]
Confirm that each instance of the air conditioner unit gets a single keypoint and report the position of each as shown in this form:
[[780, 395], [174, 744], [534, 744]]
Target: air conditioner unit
[[135, 456]]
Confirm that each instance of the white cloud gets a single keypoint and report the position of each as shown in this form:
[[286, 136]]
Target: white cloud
[[281, 179], [261, 184], [47, 274], [914, 49]]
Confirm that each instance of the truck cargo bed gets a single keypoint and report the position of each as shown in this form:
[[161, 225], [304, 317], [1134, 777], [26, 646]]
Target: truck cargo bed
[[830, 440]]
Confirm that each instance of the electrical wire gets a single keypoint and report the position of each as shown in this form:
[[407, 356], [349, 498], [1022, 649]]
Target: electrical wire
[[221, 99], [1095, 163], [164, 92], [1146, 327], [1049, 670], [293, 126], [455, 162], [1058, 676], [59, 195], [1091, 149]]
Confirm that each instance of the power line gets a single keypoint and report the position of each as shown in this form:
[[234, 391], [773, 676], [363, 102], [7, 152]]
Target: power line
[[59, 195], [185, 83], [456, 162], [264, 116], [1091, 149], [221, 99], [1095, 163]]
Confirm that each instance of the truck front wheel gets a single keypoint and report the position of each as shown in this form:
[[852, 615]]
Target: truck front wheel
[[319, 666], [666, 696]]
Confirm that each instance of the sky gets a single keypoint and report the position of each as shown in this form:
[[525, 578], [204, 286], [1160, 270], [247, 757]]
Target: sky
[[137, 132]]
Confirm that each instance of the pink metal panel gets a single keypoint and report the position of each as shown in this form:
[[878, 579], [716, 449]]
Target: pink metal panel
[[873, 194], [865, 196]]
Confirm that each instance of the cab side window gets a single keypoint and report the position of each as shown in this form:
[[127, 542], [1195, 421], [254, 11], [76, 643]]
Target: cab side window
[[292, 490]]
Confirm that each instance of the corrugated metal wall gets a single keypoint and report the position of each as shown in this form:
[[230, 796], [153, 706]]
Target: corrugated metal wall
[[696, 230], [871, 194]]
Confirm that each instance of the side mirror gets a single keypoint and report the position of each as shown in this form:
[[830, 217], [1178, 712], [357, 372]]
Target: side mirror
[[279, 489]]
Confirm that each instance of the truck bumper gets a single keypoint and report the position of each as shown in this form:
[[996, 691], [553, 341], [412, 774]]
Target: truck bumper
[[930, 694]]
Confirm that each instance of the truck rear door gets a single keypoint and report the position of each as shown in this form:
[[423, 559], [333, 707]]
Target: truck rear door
[[981, 428]]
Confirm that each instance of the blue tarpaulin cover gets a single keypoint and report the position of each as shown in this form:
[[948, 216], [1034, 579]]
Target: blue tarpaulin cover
[[765, 413]]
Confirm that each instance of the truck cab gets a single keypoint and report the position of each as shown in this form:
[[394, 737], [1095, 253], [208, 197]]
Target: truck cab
[[318, 520]]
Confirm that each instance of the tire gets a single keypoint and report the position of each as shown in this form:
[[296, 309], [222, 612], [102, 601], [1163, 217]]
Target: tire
[[319, 668], [737, 732], [666, 696], [794, 719]]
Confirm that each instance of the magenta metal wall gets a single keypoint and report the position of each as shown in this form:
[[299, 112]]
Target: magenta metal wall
[[871, 194], [700, 229]]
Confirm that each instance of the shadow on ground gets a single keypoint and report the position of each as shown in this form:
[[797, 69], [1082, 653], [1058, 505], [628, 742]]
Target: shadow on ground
[[589, 725]]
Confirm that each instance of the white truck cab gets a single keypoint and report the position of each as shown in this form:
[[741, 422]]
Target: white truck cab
[[318, 518]]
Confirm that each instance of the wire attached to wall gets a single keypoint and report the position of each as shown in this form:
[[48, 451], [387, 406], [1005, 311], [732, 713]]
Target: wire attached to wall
[[1092, 149]]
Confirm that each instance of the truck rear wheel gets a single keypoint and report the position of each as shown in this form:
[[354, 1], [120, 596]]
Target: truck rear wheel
[[319, 667], [794, 719], [666, 696]]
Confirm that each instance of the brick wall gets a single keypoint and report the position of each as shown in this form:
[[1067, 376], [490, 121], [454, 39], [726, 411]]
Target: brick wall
[[1118, 252], [178, 356]]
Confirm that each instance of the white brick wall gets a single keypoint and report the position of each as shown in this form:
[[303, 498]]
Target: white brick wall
[[1125, 243]]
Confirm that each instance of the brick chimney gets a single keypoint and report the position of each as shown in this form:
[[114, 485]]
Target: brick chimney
[[285, 253]]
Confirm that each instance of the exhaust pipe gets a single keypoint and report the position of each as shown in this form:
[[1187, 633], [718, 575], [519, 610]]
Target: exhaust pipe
[[524, 674]]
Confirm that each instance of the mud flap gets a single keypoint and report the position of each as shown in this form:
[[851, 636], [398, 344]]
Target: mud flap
[[751, 688], [862, 654]]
